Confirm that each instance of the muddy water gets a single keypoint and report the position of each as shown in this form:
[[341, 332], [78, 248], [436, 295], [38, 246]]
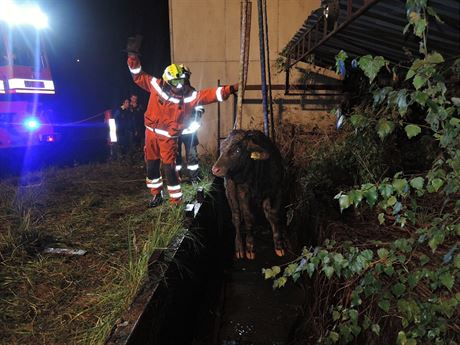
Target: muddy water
[[252, 312]]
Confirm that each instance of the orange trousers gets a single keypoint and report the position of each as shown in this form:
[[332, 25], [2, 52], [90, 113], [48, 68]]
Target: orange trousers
[[160, 147]]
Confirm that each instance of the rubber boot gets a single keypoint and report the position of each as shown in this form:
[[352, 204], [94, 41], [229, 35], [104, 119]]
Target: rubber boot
[[157, 200]]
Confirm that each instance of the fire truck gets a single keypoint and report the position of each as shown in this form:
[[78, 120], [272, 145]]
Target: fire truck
[[26, 84]]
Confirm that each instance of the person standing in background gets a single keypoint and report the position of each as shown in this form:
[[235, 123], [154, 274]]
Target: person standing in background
[[125, 126], [137, 115]]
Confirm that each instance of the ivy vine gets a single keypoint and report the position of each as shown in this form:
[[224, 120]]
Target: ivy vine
[[414, 277]]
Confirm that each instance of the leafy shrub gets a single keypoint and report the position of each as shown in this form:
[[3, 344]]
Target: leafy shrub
[[393, 275]]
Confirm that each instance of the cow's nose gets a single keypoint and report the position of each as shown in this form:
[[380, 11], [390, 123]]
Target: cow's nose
[[215, 170]]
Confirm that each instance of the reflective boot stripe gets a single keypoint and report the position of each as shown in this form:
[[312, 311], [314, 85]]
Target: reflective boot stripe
[[155, 185], [175, 192]]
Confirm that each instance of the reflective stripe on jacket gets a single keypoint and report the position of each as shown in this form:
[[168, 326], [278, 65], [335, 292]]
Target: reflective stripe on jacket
[[170, 112]]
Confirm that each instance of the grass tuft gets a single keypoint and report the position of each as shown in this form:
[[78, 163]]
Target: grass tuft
[[100, 208]]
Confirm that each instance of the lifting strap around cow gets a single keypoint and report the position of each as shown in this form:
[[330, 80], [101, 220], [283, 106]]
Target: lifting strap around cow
[[245, 26], [245, 31]]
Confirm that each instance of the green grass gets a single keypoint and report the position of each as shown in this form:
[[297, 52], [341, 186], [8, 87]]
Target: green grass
[[50, 299]]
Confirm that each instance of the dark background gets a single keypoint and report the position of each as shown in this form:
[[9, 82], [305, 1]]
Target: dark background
[[95, 33], [84, 43]]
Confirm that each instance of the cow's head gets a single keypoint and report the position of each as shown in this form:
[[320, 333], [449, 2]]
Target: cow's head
[[237, 152]]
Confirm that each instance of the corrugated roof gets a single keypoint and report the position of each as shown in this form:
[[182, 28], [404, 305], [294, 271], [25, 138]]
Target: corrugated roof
[[371, 27]]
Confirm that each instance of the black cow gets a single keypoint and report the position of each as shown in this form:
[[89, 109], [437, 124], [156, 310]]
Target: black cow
[[253, 171]]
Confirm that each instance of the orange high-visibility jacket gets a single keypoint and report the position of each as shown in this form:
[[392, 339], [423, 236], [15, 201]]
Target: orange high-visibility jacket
[[170, 112]]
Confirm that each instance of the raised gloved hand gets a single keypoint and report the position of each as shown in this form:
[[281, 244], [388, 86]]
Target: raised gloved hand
[[133, 61], [234, 88]]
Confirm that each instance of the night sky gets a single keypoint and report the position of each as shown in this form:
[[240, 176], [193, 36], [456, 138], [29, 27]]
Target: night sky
[[95, 33]]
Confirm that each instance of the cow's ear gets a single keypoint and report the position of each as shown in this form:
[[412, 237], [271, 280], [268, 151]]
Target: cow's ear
[[257, 152]]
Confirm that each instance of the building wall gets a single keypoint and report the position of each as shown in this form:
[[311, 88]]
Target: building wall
[[205, 35]]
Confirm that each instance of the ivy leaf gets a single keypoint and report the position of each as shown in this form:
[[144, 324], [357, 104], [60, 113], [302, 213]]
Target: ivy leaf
[[355, 299], [402, 339], [367, 254], [417, 182], [420, 27], [356, 197], [379, 95], [344, 202], [436, 240], [403, 244], [289, 271], [401, 186], [371, 66], [412, 280], [455, 101], [310, 268], [384, 304], [375, 328], [384, 127], [334, 336], [434, 58], [335, 315], [381, 218], [437, 183], [280, 282], [389, 270], [338, 259], [358, 121], [367, 322], [412, 130], [328, 271], [398, 289], [410, 74], [424, 259], [271, 272], [447, 279], [419, 81], [370, 193], [420, 97], [355, 329], [402, 102], [391, 201], [457, 261], [382, 253], [353, 314], [386, 190]]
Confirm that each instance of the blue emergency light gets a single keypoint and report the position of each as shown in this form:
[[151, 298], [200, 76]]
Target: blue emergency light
[[31, 124]]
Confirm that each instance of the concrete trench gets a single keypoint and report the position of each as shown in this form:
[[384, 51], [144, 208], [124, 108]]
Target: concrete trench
[[198, 294]]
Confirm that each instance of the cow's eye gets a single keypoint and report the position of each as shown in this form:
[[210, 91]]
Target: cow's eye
[[235, 150]]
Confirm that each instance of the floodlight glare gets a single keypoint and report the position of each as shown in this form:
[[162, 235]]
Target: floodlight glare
[[27, 14], [31, 124]]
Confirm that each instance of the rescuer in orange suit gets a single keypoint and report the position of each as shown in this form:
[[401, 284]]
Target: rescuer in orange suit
[[170, 106]]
